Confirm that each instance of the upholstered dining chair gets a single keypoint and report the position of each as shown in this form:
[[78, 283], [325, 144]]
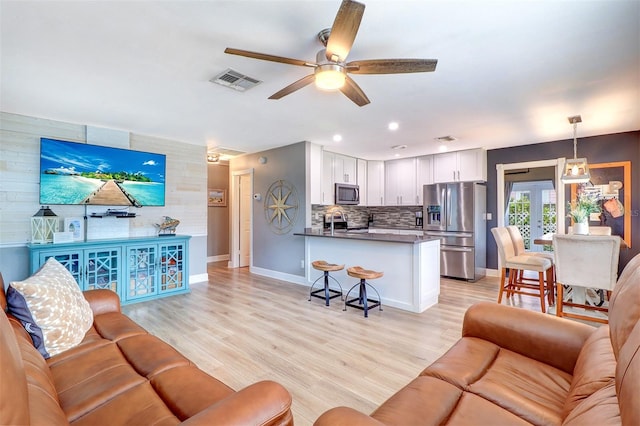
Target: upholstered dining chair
[[523, 262], [518, 245], [589, 261]]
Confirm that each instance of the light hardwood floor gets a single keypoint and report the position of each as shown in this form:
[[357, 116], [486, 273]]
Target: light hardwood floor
[[242, 328]]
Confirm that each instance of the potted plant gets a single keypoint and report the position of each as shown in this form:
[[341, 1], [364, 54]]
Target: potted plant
[[580, 210]]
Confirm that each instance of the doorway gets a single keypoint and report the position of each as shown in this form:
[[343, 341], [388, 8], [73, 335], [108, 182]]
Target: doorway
[[241, 218], [532, 208]]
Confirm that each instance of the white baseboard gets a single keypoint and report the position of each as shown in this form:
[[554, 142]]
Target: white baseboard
[[218, 258], [198, 278], [295, 279], [492, 273]]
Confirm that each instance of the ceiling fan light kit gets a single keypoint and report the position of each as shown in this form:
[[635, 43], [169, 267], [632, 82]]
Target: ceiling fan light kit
[[330, 76], [330, 71], [577, 169]]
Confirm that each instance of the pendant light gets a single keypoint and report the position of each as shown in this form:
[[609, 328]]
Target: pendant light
[[576, 170]]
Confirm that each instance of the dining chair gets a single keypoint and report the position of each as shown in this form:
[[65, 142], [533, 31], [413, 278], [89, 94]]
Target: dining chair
[[525, 262], [518, 245], [589, 261]]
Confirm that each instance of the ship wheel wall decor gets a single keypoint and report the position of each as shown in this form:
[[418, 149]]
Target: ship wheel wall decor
[[281, 206]]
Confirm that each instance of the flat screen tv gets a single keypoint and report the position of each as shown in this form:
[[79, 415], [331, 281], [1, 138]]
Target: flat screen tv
[[79, 173]]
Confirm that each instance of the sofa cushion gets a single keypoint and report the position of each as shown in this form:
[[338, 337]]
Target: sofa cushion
[[17, 306], [188, 390], [527, 388], [595, 368], [600, 408], [57, 306], [430, 401]]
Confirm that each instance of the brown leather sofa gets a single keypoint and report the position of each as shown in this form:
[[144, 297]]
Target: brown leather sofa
[[120, 374], [514, 366]]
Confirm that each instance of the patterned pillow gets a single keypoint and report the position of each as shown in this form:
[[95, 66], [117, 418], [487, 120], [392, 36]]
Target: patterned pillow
[[57, 306], [17, 306]]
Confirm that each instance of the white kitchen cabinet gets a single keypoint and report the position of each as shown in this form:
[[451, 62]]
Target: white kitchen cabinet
[[328, 188], [460, 166], [375, 183], [400, 182], [336, 168], [344, 169], [362, 180], [424, 169]]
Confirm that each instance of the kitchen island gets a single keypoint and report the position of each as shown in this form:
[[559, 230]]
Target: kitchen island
[[411, 263]]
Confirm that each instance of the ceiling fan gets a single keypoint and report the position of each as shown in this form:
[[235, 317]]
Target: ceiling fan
[[331, 68]]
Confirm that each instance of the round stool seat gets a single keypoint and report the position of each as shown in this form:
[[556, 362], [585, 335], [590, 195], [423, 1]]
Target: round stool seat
[[361, 273], [322, 265]]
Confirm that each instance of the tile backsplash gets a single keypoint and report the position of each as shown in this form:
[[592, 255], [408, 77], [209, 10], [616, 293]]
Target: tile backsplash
[[383, 216]]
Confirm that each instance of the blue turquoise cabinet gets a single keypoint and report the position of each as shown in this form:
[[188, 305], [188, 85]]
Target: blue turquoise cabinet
[[136, 268]]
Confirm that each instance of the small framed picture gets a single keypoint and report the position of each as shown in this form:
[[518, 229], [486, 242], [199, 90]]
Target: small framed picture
[[75, 225], [217, 197]]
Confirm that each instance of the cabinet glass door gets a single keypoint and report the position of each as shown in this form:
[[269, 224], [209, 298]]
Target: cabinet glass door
[[171, 267], [141, 272], [101, 269], [71, 260]]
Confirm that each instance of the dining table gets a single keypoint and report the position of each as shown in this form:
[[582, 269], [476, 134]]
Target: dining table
[[547, 240]]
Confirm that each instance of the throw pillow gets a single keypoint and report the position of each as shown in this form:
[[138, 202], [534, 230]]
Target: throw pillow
[[57, 306], [17, 306]]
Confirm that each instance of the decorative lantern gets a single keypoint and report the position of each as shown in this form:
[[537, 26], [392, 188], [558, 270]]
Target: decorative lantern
[[43, 224]]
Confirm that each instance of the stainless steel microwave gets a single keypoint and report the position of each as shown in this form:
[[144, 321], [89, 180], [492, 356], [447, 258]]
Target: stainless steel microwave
[[347, 194]]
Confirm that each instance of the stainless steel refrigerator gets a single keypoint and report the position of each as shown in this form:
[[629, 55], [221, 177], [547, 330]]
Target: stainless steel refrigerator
[[456, 213]]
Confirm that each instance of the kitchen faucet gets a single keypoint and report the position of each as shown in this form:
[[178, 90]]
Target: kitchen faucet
[[343, 216]]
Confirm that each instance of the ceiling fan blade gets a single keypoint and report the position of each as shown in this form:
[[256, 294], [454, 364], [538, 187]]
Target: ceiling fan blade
[[294, 86], [391, 66], [266, 57], [344, 30], [354, 92]]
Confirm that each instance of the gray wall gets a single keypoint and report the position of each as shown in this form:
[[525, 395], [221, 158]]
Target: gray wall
[[271, 251], [218, 217], [597, 149]]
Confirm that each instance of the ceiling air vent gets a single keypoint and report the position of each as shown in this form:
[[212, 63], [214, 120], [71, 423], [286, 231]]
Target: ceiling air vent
[[235, 80]]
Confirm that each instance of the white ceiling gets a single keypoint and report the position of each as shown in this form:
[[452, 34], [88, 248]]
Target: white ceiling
[[509, 72]]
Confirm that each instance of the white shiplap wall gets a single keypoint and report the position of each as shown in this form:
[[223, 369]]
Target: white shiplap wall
[[19, 181]]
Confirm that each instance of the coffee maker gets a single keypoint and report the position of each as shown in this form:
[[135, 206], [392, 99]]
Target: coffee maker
[[419, 219]]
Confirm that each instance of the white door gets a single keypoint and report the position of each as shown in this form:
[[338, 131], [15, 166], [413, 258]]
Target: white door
[[245, 221], [532, 208]]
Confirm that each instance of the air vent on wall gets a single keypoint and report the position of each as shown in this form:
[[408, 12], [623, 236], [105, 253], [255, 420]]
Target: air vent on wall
[[235, 80]]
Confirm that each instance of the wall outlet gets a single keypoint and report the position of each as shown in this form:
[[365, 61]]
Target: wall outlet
[[302, 264]]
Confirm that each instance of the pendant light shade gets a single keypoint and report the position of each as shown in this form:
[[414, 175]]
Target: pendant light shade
[[576, 170]]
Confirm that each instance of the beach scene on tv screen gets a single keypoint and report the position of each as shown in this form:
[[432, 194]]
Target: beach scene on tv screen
[[77, 173]]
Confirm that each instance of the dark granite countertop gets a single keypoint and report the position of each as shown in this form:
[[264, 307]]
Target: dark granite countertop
[[365, 236]]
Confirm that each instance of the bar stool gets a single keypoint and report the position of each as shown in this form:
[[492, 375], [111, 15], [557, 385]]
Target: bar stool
[[325, 293], [362, 302]]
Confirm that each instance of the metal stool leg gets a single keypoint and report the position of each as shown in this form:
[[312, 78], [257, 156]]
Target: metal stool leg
[[362, 299], [326, 292]]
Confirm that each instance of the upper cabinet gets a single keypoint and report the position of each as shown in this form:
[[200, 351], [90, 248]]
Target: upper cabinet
[[344, 169], [336, 168], [375, 183], [400, 187], [460, 166], [424, 170], [362, 181]]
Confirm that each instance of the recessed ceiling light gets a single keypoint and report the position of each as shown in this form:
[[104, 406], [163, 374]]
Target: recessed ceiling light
[[443, 148], [337, 138], [393, 125], [399, 147]]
